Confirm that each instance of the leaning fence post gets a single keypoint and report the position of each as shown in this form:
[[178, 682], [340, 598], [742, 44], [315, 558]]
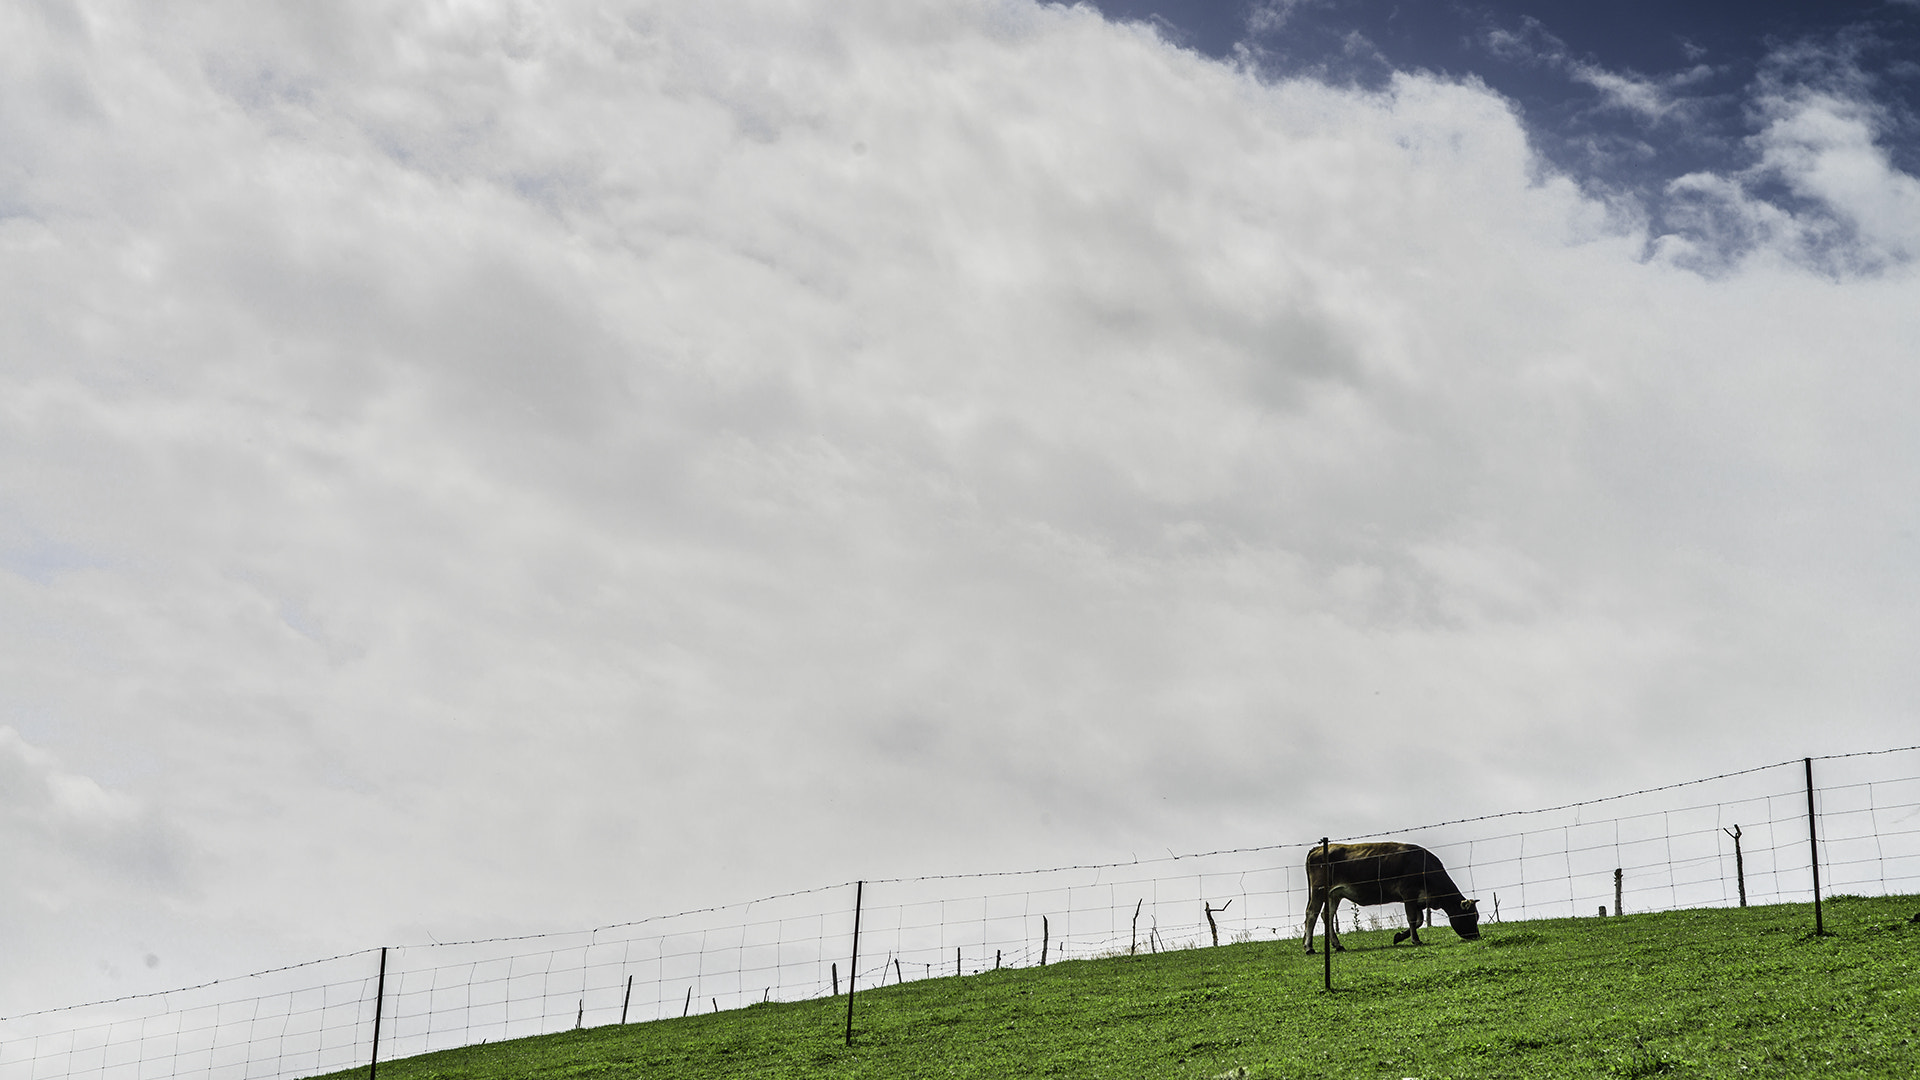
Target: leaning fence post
[[1813, 851], [1133, 942], [625, 1001], [1739, 863], [1043, 941], [853, 966], [379, 1006]]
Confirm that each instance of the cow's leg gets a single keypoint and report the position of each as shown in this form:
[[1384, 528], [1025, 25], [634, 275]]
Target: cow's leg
[[1315, 904], [1416, 914], [1333, 926]]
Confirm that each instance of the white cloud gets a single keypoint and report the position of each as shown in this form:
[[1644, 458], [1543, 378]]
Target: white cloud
[[1267, 16], [90, 871], [56, 814], [1629, 91], [1846, 209], [1530, 43], [511, 453], [1653, 99], [1825, 148]]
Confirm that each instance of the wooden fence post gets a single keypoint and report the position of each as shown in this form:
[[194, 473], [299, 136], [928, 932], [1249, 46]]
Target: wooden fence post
[[1617, 909], [1043, 941], [1739, 863], [1133, 942], [625, 1001], [1215, 927]]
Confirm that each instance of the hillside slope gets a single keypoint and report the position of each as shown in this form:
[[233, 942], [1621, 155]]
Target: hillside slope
[[1749, 993]]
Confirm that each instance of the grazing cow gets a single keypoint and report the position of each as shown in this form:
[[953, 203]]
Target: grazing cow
[[1386, 873]]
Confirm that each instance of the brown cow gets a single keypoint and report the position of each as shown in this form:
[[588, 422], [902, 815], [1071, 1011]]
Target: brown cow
[[1386, 873]]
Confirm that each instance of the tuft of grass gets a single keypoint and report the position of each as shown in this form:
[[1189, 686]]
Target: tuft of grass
[[1641, 1060], [1734, 992]]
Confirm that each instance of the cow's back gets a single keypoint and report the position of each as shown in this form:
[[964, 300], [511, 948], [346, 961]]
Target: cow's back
[[1379, 873]]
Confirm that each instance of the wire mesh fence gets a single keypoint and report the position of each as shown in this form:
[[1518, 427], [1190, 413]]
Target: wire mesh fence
[[1703, 843]]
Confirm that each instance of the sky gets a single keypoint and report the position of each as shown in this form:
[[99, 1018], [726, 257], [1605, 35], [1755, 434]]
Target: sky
[[490, 467]]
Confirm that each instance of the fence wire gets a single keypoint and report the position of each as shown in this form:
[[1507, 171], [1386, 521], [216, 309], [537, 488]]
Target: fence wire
[[1673, 847]]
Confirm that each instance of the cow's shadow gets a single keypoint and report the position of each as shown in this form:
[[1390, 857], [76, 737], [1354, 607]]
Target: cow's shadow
[[1376, 947]]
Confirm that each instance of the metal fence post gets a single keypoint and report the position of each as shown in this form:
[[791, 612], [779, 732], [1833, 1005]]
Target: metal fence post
[[379, 1006], [1326, 858], [1813, 851], [853, 966]]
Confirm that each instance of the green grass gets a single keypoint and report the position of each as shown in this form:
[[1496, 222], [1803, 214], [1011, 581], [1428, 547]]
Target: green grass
[[1746, 993]]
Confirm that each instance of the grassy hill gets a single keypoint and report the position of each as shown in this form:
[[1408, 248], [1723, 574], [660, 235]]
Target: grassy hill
[[1748, 993]]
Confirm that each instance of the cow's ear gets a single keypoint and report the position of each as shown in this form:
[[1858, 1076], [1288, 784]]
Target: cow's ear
[[1471, 905]]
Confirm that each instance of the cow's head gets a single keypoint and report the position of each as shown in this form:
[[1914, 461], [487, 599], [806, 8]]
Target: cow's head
[[1466, 921]]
